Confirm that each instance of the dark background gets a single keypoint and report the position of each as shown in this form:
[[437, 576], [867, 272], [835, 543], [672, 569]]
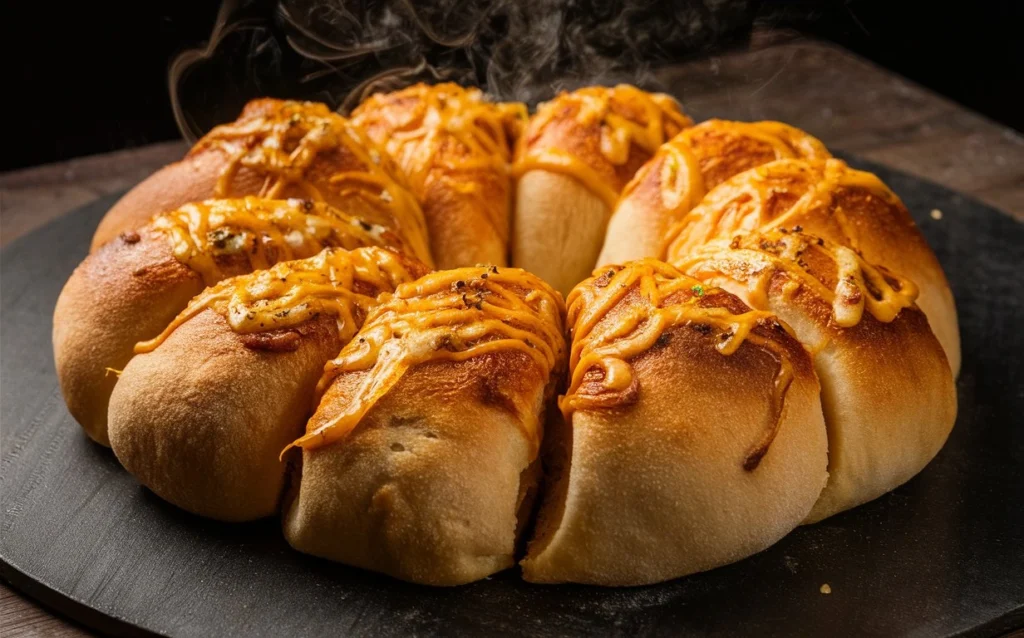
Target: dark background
[[92, 77]]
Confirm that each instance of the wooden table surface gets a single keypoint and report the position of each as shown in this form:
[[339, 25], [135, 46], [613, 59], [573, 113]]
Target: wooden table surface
[[849, 103]]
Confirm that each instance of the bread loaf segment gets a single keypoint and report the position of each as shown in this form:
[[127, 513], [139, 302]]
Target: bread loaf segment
[[887, 391], [684, 169], [132, 287], [833, 201], [423, 447], [201, 414], [453, 148], [278, 150], [576, 155], [694, 433]]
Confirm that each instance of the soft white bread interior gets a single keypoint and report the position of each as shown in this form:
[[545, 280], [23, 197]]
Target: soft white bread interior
[[577, 153], [684, 169], [422, 452], [695, 435], [887, 390]]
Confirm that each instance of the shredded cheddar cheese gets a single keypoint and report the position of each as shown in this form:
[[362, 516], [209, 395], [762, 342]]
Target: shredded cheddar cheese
[[262, 231], [445, 133], [778, 194], [283, 146], [603, 342], [451, 315], [621, 118], [755, 259], [293, 292]]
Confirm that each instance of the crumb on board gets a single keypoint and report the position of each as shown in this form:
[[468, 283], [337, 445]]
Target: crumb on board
[[825, 589], [936, 213]]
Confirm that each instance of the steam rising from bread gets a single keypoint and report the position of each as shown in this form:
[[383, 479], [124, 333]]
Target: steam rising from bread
[[339, 51]]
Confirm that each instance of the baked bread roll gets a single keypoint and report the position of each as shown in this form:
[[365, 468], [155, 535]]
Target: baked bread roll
[[887, 391], [132, 287], [422, 454], [833, 201], [279, 150], [576, 155], [694, 433], [201, 415], [453, 148], [684, 169]]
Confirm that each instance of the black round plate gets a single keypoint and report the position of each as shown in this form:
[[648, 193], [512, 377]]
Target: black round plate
[[942, 555]]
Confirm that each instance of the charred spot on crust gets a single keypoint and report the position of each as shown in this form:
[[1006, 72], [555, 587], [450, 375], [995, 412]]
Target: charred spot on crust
[[130, 237], [702, 328], [275, 341], [492, 394]]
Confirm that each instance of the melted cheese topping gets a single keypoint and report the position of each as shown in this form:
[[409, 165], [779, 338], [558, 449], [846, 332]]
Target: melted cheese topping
[[625, 117], [293, 292], [748, 201], [682, 167], [667, 299], [283, 147], [756, 259], [262, 231], [440, 132], [451, 315]]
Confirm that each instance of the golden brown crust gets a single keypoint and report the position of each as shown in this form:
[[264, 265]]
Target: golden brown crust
[[578, 152], [432, 415], [131, 288], [202, 419], [231, 381], [427, 488], [887, 392], [657, 482], [123, 293], [453, 148], [684, 169], [609, 132], [837, 203], [279, 149]]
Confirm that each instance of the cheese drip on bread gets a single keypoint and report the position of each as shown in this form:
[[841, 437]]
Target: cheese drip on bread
[[445, 133], [610, 326], [261, 231], [281, 142], [341, 283], [616, 119], [771, 196], [450, 315], [834, 273]]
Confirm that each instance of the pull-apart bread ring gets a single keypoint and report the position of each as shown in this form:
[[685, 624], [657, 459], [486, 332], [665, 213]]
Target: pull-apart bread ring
[[453, 147], [201, 414], [578, 152], [131, 288], [279, 150], [830, 200], [684, 169], [694, 433], [422, 457], [887, 390]]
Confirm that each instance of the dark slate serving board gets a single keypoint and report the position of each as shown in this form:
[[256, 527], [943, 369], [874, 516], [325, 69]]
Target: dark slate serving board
[[942, 555]]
